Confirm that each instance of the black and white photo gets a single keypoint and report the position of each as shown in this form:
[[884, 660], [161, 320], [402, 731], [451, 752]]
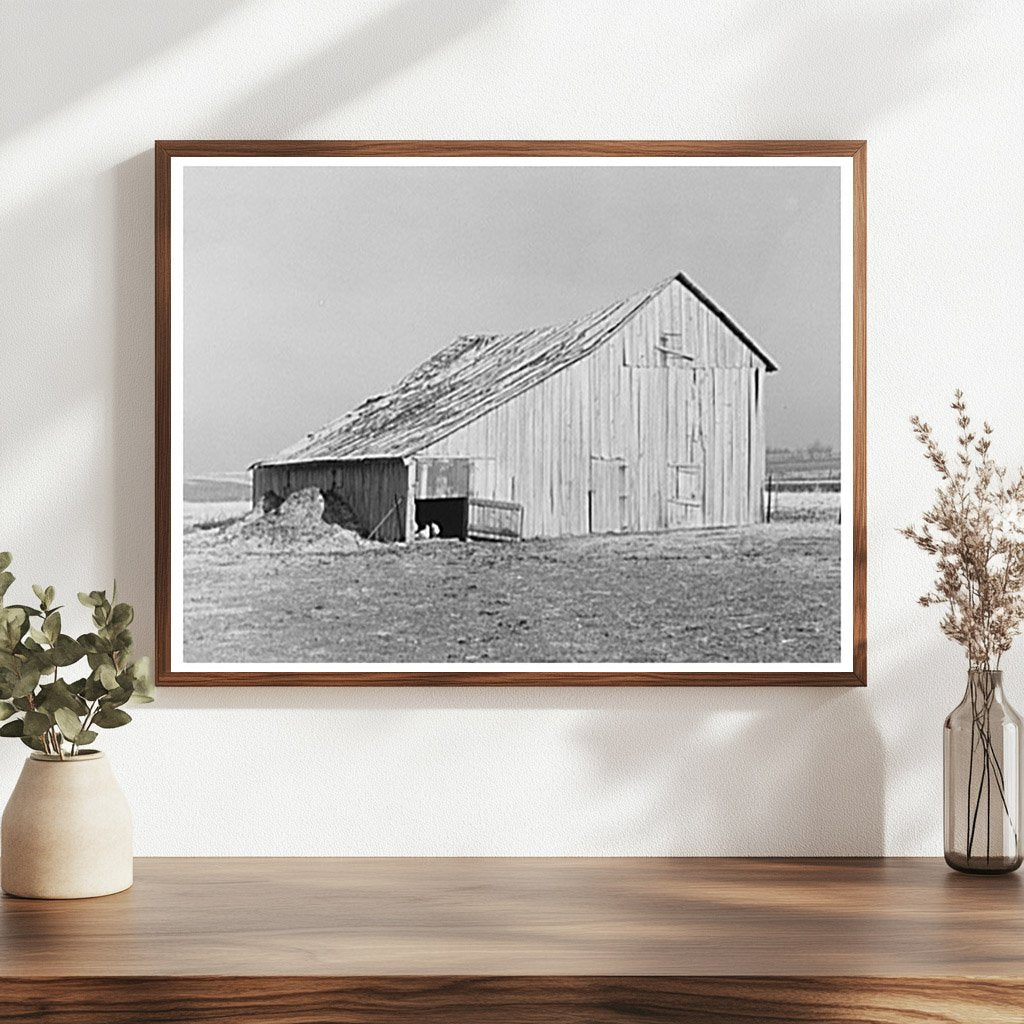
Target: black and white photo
[[534, 414]]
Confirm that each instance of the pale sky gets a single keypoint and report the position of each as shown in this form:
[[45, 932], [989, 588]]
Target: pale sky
[[310, 289]]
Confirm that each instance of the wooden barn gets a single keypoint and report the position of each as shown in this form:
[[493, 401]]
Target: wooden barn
[[646, 415]]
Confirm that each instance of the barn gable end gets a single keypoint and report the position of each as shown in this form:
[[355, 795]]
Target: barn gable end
[[659, 439]]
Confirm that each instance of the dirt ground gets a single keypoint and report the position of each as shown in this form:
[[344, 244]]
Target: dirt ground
[[750, 594]]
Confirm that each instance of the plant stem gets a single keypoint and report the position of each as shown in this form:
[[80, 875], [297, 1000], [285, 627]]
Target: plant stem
[[988, 813], [972, 834], [982, 698], [58, 739], [970, 767]]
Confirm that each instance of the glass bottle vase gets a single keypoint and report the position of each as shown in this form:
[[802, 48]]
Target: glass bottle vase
[[981, 771]]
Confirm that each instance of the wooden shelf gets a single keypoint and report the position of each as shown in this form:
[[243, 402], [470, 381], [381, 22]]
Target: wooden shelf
[[507, 940]]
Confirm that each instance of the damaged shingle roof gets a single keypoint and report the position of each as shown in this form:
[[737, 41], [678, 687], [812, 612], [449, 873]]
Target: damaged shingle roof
[[469, 378]]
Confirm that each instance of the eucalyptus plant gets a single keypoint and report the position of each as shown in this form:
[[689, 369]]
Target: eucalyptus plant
[[37, 704]]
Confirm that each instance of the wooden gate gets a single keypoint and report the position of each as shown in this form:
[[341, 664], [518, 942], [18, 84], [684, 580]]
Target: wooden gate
[[494, 520], [686, 504], [609, 495]]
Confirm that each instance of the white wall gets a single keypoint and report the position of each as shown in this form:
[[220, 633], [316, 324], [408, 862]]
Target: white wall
[[936, 88]]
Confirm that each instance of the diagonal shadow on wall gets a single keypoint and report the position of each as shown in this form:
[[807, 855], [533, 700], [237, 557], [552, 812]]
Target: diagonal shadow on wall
[[390, 43], [53, 38]]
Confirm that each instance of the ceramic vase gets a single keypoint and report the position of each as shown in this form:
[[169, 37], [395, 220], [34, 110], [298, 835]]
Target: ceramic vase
[[66, 831]]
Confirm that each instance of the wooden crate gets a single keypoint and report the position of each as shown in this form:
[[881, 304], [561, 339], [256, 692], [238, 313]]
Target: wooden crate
[[494, 520]]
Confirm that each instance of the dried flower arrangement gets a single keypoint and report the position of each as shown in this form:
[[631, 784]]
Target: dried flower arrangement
[[975, 529]]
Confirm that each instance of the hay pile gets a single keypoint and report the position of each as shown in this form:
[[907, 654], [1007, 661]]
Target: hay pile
[[303, 522]]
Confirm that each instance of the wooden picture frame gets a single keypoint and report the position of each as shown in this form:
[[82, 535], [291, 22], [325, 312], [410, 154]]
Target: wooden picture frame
[[850, 156]]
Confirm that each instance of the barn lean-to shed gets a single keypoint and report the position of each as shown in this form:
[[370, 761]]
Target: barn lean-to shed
[[645, 415]]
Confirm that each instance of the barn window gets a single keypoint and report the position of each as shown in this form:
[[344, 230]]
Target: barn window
[[675, 348], [689, 484]]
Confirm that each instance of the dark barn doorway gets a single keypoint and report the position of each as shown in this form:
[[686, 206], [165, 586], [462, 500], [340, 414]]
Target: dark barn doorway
[[450, 515]]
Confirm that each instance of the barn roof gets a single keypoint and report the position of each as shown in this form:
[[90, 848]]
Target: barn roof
[[473, 375]]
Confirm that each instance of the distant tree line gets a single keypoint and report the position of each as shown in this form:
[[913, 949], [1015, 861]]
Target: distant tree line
[[816, 451]]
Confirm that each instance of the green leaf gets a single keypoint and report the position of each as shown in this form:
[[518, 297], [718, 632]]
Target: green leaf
[[5, 559], [66, 651], [122, 616], [68, 722], [86, 736], [30, 612], [13, 728], [125, 640], [94, 689], [107, 676], [38, 635], [50, 594], [115, 698], [93, 644], [14, 614], [89, 600], [40, 593], [141, 668], [107, 718], [36, 723], [6, 710], [6, 579], [31, 741], [59, 695], [28, 680], [140, 673], [51, 626], [142, 681], [13, 626]]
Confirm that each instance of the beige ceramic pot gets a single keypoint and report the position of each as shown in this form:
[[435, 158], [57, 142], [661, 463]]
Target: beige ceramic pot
[[66, 831]]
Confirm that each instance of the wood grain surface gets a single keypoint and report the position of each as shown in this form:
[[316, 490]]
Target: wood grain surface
[[166, 150], [504, 916], [522, 939], [511, 1000]]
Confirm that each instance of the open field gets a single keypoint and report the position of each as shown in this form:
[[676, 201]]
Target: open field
[[757, 593], [206, 513], [805, 507], [225, 487]]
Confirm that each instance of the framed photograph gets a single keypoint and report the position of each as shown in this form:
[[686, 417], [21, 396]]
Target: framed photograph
[[493, 413]]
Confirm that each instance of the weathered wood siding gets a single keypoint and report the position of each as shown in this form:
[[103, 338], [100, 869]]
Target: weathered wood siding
[[377, 490], [661, 427]]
